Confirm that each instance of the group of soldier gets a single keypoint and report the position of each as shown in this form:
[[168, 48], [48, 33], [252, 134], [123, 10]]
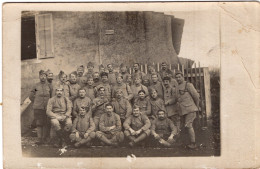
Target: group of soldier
[[114, 107]]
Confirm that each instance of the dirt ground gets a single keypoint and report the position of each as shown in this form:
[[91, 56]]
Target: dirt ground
[[208, 142]]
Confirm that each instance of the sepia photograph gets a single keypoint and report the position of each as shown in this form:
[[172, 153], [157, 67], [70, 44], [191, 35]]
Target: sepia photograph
[[110, 84], [129, 85]]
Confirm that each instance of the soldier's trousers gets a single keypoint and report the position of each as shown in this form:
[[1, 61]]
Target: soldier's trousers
[[117, 137], [73, 137]]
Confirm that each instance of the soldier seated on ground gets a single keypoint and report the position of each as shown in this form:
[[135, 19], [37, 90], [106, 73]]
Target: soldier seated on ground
[[163, 129], [110, 127], [83, 128], [137, 126], [59, 111]]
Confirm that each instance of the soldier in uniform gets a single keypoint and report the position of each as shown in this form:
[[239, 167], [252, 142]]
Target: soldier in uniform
[[110, 127], [98, 107], [101, 69], [83, 128], [163, 129], [156, 103], [123, 72], [90, 67], [49, 76], [80, 78], [122, 107], [59, 111], [151, 70], [137, 71], [170, 99], [165, 71], [105, 84], [73, 86], [62, 83], [143, 102], [188, 99], [137, 126], [111, 75], [81, 101], [40, 95], [127, 92], [90, 88], [138, 86], [129, 80], [157, 85], [96, 79]]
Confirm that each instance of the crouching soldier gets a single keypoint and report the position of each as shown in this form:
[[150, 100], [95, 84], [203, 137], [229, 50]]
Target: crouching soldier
[[59, 111], [83, 128], [137, 126], [110, 127], [163, 129]]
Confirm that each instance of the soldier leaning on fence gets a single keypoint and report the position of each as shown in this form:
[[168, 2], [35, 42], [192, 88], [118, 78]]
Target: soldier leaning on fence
[[90, 88], [105, 84], [137, 71], [40, 95], [80, 77], [137, 126], [143, 102], [156, 103], [59, 111], [110, 127], [137, 86], [73, 86], [163, 129], [127, 92], [122, 107], [111, 75], [83, 128], [81, 101], [157, 85], [170, 100], [98, 107], [188, 99], [62, 83]]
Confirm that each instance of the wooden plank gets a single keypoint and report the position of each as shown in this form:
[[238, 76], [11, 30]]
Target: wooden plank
[[145, 68], [158, 67], [196, 77], [207, 92], [178, 66]]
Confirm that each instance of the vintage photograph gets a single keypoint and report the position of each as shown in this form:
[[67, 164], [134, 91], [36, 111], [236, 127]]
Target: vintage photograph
[[120, 83]]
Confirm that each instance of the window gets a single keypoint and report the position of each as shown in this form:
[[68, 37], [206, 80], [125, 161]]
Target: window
[[44, 36]]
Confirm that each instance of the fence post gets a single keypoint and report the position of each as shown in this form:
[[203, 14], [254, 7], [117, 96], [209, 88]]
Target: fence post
[[158, 67], [141, 68], [145, 68]]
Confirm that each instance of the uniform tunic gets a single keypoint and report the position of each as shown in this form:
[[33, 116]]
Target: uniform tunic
[[74, 91], [171, 97], [188, 98], [81, 81], [81, 102], [90, 91], [40, 95], [126, 89], [157, 104], [99, 106], [108, 90], [164, 73], [159, 87], [137, 123], [58, 106], [144, 105], [136, 89], [124, 76], [138, 74], [163, 127], [112, 78], [107, 121], [122, 107], [83, 124]]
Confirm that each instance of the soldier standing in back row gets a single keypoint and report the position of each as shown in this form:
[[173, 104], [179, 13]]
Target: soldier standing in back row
[[73, 86], [80, 77], [111, 75], [137, 71], [188, 99]]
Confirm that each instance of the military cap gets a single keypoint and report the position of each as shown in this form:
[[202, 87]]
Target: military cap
[[167, 78], [141, 91], [119, 90], [164, 63], [178, 72], [81, 67], [101, 66], [90, 64], [42, 72], [49, 72], [74, 73], [100, 87]]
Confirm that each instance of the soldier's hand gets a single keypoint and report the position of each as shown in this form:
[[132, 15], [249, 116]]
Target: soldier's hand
[[138, 131], [77, 135], [156, 136], [170, 140], [112, 127], [132, 131], [85, 135]]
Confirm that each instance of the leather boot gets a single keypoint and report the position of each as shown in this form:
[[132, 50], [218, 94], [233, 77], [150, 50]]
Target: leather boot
[[105, 140], [140, 138]]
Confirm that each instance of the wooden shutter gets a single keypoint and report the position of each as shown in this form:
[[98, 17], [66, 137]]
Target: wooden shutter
[[44, 36]]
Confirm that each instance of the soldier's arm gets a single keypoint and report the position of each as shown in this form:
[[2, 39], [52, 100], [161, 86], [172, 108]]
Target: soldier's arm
[[74, 125], [153, 128], [130, 93], [172, 100], [102, 125], [128, 109], [149, 108], [32, 94], [127, 123], [147, 123], [91, 126], [118, 124], [69, 108], [49, 109], [162, 105], [74, 110], [194, 94]]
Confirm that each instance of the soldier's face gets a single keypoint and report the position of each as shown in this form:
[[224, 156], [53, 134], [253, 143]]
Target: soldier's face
[[179, 78], [161, 115], [164, 66], [129, 79], [136, 112], [82, 111], [50, 77], [90, 82], [109, 109], [43, 77], [59, 92], [63, 78], [123, 69], [137, 81], [90, 68], [154, 94], [136, 67], [141, 95], [104, 79], [119, 94], [102, 92], [80, 72], [154, 78], [73, 78], [146, 82], [96, 75], [119, 80], [110, 68], [166, 83], [82, 93]]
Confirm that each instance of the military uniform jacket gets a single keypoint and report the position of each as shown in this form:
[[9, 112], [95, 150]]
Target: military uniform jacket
[[107, 121], [137, 123], [98, 107], [171, 97], [112, 78], [40, 95], [60, 105], [83, 124], [156, 105], [74, 90], [144, 105], [159, 87], [108, 90], [122, 107], [187, 98], [90, 91], [81, 102], [164, 126]]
